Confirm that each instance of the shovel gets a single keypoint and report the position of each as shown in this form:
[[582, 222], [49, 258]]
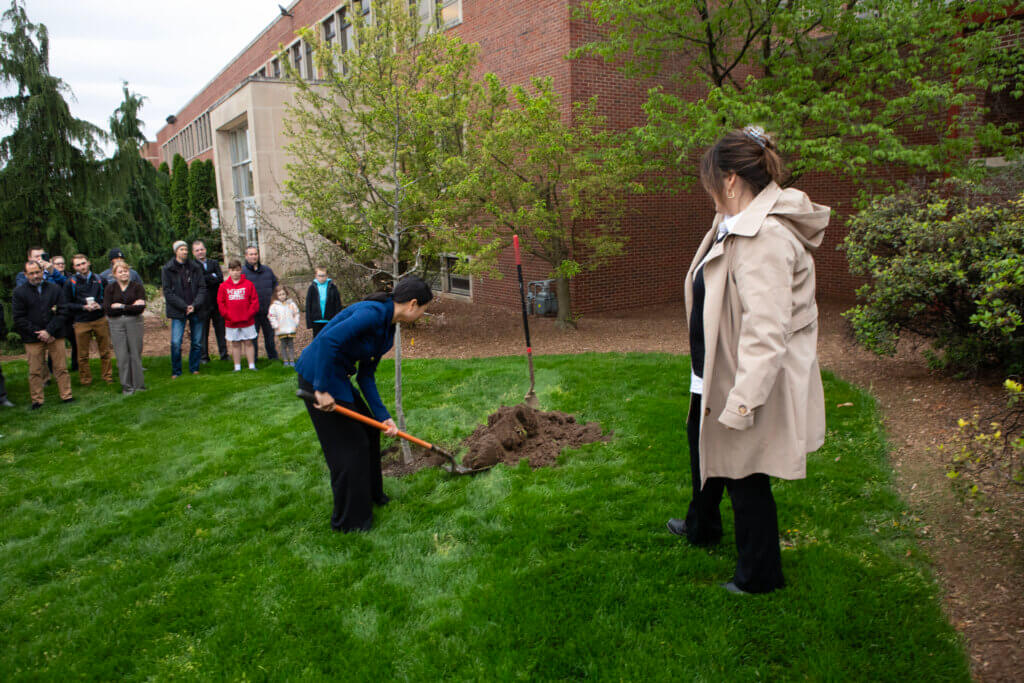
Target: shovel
[[452, 468], [531, 398]]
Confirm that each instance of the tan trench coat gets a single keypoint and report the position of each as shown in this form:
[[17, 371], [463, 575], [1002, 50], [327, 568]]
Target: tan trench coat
[[763, 402]]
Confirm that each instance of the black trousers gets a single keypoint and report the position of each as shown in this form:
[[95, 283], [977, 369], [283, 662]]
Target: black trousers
[[759, 561], [3, 385], [263, 323], [317, 327], [352, 452], [215, 320]]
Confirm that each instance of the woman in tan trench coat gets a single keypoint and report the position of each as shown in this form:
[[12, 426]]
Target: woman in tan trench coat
[[756, 405]]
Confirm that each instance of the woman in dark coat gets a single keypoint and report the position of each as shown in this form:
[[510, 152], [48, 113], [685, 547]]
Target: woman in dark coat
[[352, 343]]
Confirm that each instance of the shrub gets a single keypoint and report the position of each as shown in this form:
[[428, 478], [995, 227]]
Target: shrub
[[944, 262], [179, 197], [987, 462]]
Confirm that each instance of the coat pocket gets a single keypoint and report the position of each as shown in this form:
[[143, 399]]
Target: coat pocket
[[802, 319]]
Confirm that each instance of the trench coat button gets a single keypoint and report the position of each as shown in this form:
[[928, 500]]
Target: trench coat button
[[707, 411], [742, 410]]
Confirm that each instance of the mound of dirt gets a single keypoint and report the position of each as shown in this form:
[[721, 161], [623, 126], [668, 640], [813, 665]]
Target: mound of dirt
[[517, 432], [511, 434]]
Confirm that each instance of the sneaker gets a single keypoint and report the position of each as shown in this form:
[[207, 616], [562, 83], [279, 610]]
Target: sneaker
[[6, 403], [127, 392], [175, 376], [195, 372], [36, 406]]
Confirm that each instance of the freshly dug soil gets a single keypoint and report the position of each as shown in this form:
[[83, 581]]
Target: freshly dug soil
[[517, 432], [510, 435]]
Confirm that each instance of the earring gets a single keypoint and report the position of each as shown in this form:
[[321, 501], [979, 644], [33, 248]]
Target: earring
[[730, 195]]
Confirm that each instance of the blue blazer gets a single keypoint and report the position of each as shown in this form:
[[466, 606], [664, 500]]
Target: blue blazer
[[360, 334]]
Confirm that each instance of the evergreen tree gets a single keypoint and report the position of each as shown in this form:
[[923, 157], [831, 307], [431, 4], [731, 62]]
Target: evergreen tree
[[165, 184], [179, 197], [135, 207], [48, 168]]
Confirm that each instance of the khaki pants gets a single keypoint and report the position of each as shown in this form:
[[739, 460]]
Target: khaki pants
[[126, 336], [36, 353], [84, 332]]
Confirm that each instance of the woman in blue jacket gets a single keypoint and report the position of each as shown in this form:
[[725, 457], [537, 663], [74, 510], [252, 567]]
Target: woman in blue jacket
[[352, 343]]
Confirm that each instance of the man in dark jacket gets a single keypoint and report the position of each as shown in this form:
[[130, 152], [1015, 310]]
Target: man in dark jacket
[[211, 314], [184, 296], [322, 301], [4, 401], [263, 278], [39, 309], [84, 293]]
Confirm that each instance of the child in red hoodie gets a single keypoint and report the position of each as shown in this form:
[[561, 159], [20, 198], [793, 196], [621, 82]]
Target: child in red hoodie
[[239, 304]]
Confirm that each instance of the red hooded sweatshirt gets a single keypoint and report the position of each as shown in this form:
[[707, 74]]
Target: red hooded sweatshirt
[[238, 302]]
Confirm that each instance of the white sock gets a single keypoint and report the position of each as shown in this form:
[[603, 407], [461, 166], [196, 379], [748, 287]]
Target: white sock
[[252, 366], [238, 366]]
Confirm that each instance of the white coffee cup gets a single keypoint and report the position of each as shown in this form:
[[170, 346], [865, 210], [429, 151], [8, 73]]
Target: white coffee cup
[[90, 300]]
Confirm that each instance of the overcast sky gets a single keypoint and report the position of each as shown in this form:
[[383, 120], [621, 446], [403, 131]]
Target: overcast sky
[[167, 51]]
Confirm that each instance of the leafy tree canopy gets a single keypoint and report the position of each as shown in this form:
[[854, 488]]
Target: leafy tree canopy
[[850, 86]]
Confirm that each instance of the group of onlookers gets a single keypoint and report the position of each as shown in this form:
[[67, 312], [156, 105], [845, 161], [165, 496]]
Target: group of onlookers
[[50, 306]]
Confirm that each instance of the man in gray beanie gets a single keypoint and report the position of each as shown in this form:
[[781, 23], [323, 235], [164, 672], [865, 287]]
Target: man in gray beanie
[[184, 295]]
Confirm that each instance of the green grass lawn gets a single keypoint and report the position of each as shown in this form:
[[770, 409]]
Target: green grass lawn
[[183, 534]]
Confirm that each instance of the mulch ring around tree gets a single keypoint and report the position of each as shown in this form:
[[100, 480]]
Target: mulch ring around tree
[[512, 434]]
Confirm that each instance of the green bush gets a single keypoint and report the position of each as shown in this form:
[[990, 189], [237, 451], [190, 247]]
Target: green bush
[[944, 262]]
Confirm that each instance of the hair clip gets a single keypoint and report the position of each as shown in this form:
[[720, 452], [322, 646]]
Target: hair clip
[[757, 134]]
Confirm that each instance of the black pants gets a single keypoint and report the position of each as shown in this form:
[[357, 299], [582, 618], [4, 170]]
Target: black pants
[[263, 323], [69, 334], [3, 385], [352, 452], [215, 320], [759, 562], [317, 327]]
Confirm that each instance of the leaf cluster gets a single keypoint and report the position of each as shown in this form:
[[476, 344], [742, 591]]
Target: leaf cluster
[[858, 88]]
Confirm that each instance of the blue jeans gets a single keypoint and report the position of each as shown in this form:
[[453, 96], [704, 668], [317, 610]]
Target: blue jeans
[[195, 325]]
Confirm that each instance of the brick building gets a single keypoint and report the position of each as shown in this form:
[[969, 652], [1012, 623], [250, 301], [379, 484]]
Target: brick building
[[236, 120]]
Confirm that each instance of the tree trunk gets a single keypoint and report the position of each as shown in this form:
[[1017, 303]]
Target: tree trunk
[[565, 317], [395, 272]]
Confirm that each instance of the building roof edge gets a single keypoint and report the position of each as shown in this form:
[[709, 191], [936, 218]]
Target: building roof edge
[[230, 62]]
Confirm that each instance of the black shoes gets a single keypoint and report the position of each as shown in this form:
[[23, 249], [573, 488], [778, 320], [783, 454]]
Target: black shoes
[[677, 526], [383, 500], [36, 406], [68, 400]]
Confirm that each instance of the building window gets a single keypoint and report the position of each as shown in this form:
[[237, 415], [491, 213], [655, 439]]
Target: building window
[[453, 282], [329, 31], [310, 67], [345, 35], [262, 73], [451, 12], [297, 58], [242, 185], [275, 67], [362, 6]]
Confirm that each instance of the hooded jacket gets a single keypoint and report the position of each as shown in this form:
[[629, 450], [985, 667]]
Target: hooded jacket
[[34, 310], [175, 279], [263, 278], [238, 302], [763, 403], [329, 308]]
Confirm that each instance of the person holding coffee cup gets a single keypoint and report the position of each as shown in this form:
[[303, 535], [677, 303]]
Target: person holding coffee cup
[[84, 292]]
